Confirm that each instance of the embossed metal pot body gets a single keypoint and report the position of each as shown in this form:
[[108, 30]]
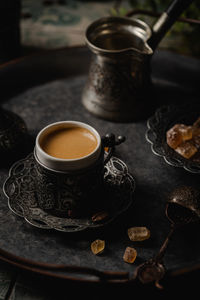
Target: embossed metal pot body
[[119, 75]]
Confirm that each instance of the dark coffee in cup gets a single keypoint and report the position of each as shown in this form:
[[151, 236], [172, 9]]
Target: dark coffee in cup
[[68, 146], [69, 142]]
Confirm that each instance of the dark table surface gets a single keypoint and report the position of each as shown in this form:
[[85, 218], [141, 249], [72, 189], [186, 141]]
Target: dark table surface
[[47, 87]]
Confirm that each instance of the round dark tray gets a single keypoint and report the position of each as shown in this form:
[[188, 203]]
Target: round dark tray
[[47, 87]]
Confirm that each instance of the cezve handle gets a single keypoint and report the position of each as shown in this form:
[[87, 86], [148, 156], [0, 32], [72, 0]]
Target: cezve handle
[[166, 20]]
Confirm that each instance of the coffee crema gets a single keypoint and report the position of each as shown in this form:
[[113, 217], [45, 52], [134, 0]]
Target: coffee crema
[[69, 142]]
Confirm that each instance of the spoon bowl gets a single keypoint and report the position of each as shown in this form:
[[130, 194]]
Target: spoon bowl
[[183, 207]]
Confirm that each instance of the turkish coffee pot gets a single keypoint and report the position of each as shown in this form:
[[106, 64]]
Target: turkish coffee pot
[[119, 81]]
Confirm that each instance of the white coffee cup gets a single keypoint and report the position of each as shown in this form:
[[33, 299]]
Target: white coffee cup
[[65, 165], [70, 184]]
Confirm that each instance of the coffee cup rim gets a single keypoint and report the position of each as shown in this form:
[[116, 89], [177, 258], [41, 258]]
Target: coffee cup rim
[[61, 164]]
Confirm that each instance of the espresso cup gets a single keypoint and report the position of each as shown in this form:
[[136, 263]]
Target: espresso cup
[[70, 159], [68, 146]]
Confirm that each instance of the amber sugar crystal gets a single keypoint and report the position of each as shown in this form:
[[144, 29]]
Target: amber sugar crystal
[[186, 131], [174, 137], [130, 255], [136, 234], [186, 149], [177, 134], [97, 246]]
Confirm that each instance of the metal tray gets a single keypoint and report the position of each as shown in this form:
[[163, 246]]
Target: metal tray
[[47, 87]]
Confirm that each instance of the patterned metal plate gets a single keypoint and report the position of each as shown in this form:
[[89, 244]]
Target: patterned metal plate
[[21, 190], [164, 118]]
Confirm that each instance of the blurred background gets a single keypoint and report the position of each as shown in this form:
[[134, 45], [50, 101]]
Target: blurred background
[[27, 26]]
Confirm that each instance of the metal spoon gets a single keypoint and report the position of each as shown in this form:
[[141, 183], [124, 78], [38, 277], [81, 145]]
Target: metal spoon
[[183, 207]]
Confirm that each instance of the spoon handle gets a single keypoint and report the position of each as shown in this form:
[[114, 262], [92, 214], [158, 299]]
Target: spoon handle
[[161, 253], [154, 270]]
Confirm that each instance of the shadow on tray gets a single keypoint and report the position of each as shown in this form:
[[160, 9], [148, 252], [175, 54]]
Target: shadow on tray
[[8, 158]]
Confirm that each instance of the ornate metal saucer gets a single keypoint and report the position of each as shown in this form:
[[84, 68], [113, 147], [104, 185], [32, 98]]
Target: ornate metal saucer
[[164, 118], [20, 188]]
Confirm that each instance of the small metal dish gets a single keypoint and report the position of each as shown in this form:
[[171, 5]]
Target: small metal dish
[[163, 119]]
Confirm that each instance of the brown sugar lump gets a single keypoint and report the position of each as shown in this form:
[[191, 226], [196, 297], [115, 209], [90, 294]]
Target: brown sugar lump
[[130, 255], [186, 149], [136, 234], [97, 246], [177, 134], [186, 131], [174, 137]]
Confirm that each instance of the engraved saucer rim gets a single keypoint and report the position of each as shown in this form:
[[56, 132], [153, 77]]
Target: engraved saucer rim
[[68, 228]]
